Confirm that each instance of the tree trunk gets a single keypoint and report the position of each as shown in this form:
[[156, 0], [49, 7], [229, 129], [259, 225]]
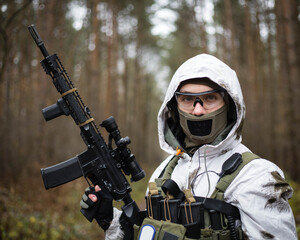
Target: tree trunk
[[230, 27], [288, 42], [250, 75], [93, 81]]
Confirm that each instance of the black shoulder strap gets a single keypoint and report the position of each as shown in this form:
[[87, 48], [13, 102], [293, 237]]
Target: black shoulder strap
[[226, 180], [220, 206]]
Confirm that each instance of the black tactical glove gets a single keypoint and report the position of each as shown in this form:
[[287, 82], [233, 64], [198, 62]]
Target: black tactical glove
[[101, 210]]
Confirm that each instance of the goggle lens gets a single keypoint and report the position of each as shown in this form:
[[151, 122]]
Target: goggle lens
[[208, 100]]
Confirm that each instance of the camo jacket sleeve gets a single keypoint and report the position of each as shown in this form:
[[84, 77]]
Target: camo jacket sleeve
[[261, 193]]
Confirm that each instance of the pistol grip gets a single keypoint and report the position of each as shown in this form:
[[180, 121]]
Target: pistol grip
[[89, 213]]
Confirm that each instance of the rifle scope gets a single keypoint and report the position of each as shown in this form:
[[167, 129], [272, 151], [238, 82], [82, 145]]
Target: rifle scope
[[129, 163]]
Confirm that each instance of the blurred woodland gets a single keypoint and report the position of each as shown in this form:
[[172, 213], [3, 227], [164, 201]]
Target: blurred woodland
[[121, 55]]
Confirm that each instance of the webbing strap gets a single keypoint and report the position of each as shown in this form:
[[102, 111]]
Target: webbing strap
[[170, 168], [167, 172], [225, 181]]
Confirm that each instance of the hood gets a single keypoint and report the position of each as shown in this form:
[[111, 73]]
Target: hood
[[201, 66]]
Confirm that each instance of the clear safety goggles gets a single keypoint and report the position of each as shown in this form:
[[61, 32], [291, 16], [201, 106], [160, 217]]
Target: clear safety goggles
[[208, 100]]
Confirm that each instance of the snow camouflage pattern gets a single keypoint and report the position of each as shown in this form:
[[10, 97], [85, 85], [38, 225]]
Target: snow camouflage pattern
[[259, 191]]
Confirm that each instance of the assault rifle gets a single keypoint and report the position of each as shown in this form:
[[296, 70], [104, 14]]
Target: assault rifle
[[100, 164]]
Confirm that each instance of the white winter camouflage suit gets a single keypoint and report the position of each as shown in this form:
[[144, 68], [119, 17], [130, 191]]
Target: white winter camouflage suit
[[257, 191]]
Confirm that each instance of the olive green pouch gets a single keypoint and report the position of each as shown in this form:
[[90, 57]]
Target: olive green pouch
[[148, 221], [136, 230], [221, 235], [172, 231]]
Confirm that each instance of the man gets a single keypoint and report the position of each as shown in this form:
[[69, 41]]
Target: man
[[200, 121]]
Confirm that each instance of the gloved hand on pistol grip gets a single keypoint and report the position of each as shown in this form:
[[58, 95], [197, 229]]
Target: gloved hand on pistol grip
[[98, 202]]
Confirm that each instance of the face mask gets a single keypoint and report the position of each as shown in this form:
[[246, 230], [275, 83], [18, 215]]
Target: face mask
[[203, 129]]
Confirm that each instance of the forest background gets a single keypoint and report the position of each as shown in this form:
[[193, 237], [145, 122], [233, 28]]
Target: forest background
[[121, 56]]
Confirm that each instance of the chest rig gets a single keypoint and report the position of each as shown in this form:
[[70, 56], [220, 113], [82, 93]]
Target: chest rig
[[173, 214]]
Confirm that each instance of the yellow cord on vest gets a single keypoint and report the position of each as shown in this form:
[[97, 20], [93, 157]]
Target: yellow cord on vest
[[186, 213], [152, 191], [166, 202], [189, 200], [149, 203]]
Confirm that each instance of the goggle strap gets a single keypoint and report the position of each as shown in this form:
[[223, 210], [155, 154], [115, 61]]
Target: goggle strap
[[199, 94]]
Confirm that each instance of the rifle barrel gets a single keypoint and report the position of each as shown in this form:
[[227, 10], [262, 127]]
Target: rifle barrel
[[39, 42]]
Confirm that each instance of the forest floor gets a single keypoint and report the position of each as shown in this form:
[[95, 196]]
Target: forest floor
[[34, 213]]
